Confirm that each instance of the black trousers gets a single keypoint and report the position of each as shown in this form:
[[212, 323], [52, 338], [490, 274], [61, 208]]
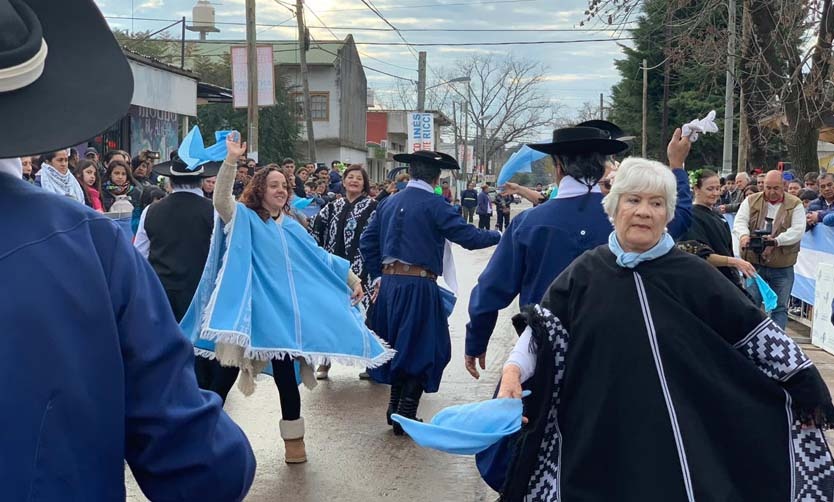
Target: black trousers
[[468, 213], [483, 221], [220, 379], [502, 221]]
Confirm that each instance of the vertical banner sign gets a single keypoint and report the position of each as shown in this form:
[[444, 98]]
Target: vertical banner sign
[[266, 82], [822, 332], [420, 132]]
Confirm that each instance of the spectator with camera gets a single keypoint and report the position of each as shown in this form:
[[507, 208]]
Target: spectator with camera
[[769, 226]]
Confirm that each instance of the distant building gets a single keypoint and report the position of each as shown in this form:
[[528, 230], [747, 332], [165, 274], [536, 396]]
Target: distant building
[[338, 91], [388, 136]]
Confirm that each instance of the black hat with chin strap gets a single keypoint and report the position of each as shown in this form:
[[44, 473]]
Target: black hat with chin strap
[[43, 43], [579, 140], [435, 159]]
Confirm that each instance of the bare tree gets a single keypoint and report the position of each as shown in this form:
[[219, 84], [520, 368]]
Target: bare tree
[[505, 100], [588, 111]]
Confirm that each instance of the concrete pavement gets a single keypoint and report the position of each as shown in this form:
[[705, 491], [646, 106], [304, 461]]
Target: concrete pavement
[[353, 455]]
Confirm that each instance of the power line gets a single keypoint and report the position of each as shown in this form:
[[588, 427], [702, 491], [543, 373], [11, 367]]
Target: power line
[[323, 26], [437, 5], [521, 42], [370, 5], [367, 67]]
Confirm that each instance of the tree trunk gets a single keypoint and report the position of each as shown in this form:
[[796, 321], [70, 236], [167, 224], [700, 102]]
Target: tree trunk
[[802, 147], [667, 75]]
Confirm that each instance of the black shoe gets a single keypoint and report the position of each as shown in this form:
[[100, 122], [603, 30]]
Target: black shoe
[[394, 401]]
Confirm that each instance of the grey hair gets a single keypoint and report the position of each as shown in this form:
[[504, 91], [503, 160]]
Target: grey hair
[[826, 176], [744, 176], [638, 175]]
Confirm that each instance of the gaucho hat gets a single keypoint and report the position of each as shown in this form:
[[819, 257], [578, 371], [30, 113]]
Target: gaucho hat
[[176, 167], [43, 44], [434, 159], [611, 128], [576, 140]]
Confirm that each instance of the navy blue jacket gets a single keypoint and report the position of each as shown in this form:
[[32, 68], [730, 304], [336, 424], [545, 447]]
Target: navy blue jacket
[[483, 203], [96, 369], [412, 226], [538, 245], [469, 198]]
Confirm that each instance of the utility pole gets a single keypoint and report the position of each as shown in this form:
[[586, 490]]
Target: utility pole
[[465, 111], [305, 82], [645, 106], [601, 109], [421, 82], [252, 77], [182, 45], [729, 107]]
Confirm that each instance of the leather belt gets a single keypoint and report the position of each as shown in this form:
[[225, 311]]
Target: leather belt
[[400, 268]]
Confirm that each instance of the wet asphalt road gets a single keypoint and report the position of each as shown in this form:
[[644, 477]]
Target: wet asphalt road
[[352, 453]]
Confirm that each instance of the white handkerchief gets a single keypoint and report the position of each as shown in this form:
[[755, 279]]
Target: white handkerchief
[[700, 126]]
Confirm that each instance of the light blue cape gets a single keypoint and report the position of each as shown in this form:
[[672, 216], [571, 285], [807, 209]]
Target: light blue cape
[[267, 287], [466, 429]]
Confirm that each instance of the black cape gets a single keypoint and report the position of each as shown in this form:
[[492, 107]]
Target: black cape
[[673, 387]]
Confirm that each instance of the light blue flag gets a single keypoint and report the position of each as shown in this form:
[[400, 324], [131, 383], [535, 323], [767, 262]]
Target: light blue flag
[[193, 152], [466, 429], [298, 203], [520, 162]]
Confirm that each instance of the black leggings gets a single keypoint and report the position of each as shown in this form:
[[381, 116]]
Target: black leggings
[[220, 379]]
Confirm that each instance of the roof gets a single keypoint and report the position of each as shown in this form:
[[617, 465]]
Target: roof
[[213, 93], [155, 63], [284, 52]]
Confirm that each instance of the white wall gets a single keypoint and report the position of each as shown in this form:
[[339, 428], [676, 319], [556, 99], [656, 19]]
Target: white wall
[[163, 90], [321, 79]]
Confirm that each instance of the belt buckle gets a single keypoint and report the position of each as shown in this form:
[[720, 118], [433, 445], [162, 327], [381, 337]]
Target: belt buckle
[[423, 274], [406, 267]]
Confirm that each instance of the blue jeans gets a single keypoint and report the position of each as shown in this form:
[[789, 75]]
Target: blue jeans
[[780, 281]]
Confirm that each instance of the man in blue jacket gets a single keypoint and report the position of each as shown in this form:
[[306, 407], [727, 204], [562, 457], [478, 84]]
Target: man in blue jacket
[[404, 245], [469, 201], [97, 371], [484, 208], [544, 240]]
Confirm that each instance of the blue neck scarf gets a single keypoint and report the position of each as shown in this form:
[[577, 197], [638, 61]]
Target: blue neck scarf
[[631, 260]]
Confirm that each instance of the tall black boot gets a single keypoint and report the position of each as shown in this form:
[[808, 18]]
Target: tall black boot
[[410, 400], [394, 401]]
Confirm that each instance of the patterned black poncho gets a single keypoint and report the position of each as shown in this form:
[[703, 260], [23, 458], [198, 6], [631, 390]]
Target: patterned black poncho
[[664, 383]]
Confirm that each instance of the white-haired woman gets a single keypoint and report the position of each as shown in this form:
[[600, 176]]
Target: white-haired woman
[[654, 378]]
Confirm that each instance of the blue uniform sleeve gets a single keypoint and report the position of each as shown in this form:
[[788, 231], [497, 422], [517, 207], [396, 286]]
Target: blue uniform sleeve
[[179, 442], [683, 209], [369, 244], [498, 285], [454, 228]]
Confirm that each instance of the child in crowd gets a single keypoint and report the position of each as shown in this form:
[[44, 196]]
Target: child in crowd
[[86, 172], [120, 185]]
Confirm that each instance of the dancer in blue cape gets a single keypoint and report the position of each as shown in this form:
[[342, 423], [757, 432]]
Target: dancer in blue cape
[[255, 303]]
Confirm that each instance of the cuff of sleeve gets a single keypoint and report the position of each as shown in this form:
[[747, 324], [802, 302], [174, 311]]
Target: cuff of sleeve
[[810, 398]]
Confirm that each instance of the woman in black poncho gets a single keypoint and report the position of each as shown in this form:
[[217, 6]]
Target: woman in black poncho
[[655, 379], [709, 234]]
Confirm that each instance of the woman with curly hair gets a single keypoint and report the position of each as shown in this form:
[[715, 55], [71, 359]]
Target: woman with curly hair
[[709, 234], [263, 276]]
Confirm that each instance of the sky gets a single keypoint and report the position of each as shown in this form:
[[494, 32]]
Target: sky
[[575, 73]]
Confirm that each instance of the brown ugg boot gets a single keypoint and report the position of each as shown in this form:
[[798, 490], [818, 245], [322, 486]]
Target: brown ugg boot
[[292, 432]]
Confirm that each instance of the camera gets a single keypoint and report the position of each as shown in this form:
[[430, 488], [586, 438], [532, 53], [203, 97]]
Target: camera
[[757, 242]]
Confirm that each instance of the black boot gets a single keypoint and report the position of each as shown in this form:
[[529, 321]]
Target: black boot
[[394, 401], [410, 400]]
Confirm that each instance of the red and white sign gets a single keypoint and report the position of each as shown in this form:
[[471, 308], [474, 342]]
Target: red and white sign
[[420, 132]]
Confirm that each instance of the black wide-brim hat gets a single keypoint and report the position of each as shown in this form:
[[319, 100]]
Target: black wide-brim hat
[[178, 168], [577, 140], [45, 104], [428, 157], [611, 128]]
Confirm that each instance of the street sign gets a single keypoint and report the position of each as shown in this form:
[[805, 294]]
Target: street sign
[[420, 132], [266, 82]]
